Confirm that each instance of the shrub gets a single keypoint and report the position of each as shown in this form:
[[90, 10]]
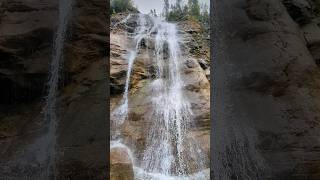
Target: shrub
[[121, 6]]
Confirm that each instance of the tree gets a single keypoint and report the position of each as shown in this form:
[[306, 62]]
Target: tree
[[176, 12], [194, 8], [166, 9], [178, 6], [122, 6], [153, 13], [204, 15]]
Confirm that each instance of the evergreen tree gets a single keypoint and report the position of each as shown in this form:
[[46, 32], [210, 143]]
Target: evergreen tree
[[177, 13], [194, 8], [204, 16], [178, 6], [180, 12], [153, 13], [166, 9], [121, 6]]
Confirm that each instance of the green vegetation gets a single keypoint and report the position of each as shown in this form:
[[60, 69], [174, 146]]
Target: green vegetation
[[118, 6], [192, 10]]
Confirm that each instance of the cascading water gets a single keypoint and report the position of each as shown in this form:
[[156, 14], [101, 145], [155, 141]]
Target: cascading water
[[121, 112], [65, 7], [170, 154]]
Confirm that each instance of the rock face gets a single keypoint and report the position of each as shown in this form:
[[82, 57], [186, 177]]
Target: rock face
[[83, 125], [26, 39], [266, 91], [121, 164], [194, 73], [27, 31], [26, 36]]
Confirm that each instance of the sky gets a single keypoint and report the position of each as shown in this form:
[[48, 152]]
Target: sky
[[145, 6]]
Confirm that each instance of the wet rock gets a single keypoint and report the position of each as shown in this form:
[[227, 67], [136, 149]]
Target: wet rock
[[26, 35], [315, 51], [27, 31], [196, 87], [81, 140], [121, 165], [261, 11], [204, 64], [266, 84], [190, 26], [299, 10], [195, 40], [312, 35]]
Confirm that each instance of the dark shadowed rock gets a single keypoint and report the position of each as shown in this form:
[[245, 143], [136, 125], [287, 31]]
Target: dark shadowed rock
[[27, 32], [299, 10], [26, 36], [266, 93], [83, 113]]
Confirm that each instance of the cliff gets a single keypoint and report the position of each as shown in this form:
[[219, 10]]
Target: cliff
[[194, 72], [266, 90], [27, 32]]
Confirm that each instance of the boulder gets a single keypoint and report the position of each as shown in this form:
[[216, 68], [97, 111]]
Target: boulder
[[121, 165]]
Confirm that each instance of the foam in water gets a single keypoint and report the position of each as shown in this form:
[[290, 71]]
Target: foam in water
[[65, 7], [141, 174], [168, 146]]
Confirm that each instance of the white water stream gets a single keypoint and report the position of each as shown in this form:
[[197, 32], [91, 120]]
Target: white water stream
[[65, 7], [121, 112], [169, 153]]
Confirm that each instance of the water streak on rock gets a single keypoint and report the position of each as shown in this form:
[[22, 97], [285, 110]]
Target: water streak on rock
[[65, 7], [170, 153]]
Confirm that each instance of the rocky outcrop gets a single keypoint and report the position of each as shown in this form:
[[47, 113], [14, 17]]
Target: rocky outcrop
[[266, 92], [27, 31], [311, 33], [121, 164], [300, 10], [306, 14], [26, 40], [82, 127], [26, 36], [193, 73]]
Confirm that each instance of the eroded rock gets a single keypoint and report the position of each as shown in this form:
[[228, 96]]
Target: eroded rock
[[121, 165]]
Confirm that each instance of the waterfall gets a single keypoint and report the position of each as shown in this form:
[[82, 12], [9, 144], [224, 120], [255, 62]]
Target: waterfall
[[167, 143], [121, 112], [169, 150], [65, 7]]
